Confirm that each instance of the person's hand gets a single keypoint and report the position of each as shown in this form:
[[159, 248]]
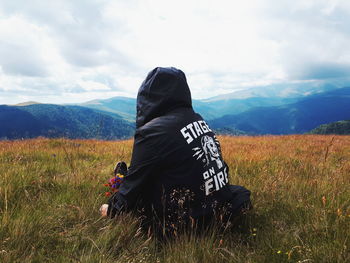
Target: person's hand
[[103, 210]]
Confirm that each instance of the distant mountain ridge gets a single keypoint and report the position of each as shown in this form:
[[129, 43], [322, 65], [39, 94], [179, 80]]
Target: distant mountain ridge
[[291, 90], [51, 120], [297, 117], [126, 107], [123, 106], [228, 104], [26, 103]]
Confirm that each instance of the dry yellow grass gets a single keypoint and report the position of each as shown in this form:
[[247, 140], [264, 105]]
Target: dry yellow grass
[[51, 189]]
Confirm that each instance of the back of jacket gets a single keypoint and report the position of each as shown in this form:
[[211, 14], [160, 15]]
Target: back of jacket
[[176, 166]]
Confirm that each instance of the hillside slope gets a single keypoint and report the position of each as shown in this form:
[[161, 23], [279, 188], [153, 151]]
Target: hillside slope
[[339, 127], [299, 117], [123, 106], [60, 121]]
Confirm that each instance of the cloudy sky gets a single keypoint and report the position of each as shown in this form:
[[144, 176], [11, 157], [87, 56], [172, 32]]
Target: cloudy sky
[[73, 51]]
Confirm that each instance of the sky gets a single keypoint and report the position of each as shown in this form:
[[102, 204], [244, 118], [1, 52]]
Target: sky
[[66, 51]]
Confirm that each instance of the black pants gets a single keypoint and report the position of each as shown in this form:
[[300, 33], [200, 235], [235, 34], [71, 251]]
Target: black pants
[[231, 211], [240, 199]]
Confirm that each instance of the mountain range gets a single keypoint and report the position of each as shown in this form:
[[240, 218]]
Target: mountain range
[[264, 110], [51, 120], [228, 104], [289, 112], [298, 117]]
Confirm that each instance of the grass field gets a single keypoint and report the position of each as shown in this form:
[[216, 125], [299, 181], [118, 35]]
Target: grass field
[[51, 190]]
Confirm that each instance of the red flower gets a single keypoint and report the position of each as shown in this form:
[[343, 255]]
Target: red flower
[[107, 194]]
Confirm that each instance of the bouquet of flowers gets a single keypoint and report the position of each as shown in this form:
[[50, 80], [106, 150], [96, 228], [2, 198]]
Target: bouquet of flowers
[[114, 183]]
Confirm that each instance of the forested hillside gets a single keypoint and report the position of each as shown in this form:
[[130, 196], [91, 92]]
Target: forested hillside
[[339, 127], [51, 121]]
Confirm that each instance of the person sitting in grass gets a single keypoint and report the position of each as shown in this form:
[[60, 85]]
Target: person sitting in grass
[[177, 177]]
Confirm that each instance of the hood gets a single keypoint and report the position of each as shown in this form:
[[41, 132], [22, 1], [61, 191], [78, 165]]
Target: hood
[[164, 90]]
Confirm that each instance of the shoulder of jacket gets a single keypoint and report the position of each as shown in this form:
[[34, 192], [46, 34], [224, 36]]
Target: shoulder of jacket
[[156, 125], [167, 122]]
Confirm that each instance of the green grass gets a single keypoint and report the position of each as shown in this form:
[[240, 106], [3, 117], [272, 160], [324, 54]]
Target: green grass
[[51, 190]]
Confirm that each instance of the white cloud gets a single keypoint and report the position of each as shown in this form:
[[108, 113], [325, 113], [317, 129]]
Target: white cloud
[[20, 48], [97, 48]]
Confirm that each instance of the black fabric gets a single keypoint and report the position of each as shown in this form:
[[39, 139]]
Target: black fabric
[[176, 171]]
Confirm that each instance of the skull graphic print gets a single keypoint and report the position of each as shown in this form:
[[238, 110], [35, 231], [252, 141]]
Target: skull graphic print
[[209, 151]]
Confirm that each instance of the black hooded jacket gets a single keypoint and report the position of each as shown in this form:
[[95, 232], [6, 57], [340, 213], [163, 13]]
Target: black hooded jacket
[[176, 160]]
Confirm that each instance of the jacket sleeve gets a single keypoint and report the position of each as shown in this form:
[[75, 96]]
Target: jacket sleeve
[[144, 162]]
